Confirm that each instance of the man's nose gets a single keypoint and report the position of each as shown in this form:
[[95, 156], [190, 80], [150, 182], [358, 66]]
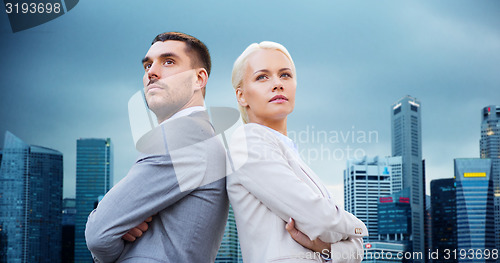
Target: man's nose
[[154, 71]]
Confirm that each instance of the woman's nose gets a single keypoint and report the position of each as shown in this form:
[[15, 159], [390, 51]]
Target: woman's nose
[[278, 85]]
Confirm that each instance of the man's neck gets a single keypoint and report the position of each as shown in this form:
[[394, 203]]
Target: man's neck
[[182, 112]]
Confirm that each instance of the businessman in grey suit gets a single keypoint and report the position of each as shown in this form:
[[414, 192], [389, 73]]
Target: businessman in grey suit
[[179, 179]]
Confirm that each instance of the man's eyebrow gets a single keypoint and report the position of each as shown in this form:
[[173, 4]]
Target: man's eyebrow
[[164, 55], [145, 59]]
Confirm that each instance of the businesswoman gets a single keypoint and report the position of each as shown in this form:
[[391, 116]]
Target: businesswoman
[[283, 211]]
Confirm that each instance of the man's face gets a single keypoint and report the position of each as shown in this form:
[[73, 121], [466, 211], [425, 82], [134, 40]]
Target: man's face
[[168, 78]]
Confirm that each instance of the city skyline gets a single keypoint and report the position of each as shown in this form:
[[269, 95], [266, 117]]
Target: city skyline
[[352, 63]]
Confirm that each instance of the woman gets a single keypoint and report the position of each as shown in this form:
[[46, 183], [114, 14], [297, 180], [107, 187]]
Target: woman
[[270, 185]]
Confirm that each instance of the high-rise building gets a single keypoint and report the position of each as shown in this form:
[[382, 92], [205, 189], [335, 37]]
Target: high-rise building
[[94, 177], [490, 148], [31, 181], [364, 182], [475, 214], [393, 213], [68, 230], [444, 218], [406, 130], [229, 251]]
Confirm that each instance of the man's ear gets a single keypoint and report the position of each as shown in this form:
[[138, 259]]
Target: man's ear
[[240, 97], [201, 78]]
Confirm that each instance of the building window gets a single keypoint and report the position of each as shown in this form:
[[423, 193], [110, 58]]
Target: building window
[[398, 110]]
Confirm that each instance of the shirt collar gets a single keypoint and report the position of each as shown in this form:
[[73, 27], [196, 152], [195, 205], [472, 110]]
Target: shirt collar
[[283, 138], [184, 112]]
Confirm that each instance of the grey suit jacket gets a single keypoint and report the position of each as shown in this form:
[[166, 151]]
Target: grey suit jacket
[[181, 178]]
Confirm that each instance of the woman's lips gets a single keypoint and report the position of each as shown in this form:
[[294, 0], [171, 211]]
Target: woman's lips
[[278, 99]]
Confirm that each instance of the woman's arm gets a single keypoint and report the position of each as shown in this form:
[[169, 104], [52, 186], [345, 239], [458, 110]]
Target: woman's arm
[[349, 250]]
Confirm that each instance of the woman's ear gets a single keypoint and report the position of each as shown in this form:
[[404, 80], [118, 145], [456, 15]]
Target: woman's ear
[[201, 78], [240, 97]]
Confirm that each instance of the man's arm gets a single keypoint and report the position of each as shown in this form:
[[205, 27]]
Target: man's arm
[[151, 185], [137, 231]]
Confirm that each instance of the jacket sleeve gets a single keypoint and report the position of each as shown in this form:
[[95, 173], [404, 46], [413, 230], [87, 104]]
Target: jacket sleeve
[[154, 183], [347, 251], [262, 169]]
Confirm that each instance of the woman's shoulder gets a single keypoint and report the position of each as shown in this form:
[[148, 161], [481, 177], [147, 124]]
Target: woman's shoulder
[[253, 133]]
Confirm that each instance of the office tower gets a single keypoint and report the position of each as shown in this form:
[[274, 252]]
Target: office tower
[[490, 148], [394, 230], [444, 217], [68, 230], [364, 182], [31, 181], [94, 177], [406, 130], [229, 251], [393, 213], [475, 215]]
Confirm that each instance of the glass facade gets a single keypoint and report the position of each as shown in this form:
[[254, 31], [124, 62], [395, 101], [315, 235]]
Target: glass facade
[[475, 211], [94, 177], [393, 214], [31, 181], [68, 230], [490, 148], [229, 251], [444, 217]]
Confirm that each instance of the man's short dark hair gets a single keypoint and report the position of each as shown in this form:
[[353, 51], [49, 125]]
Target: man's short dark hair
[[201, 54]]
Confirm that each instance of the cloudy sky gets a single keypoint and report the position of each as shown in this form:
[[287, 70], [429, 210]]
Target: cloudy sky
[[72, 77]]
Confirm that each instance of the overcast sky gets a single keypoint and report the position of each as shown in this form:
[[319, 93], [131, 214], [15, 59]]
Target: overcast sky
[[72, 77]]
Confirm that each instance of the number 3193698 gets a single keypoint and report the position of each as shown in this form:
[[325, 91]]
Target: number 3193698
[[32, 8]]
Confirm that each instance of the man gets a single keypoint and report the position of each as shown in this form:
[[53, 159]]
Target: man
[[179, 179]]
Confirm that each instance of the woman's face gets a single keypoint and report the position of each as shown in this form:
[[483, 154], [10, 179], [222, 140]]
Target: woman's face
[[268, 87]]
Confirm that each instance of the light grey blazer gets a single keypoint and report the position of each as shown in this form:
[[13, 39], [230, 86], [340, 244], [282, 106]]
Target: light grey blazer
[[181, 178], [271, 184]]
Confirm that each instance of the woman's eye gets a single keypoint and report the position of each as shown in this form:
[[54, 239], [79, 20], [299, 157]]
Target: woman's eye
[[286, 75], [261, 77]]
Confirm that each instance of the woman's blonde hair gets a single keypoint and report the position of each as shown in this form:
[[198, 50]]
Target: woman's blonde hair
[[240, 66]]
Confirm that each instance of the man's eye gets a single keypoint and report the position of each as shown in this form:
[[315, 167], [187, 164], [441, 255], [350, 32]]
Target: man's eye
[[169, 62], [147, 66]]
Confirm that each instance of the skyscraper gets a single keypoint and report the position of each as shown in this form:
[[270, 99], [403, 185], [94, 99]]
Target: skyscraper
[[444, 217], [68, 230], [364, 182], [394, 230], [406, 130], [94, 177], [490, 148], [31, 180], [475, 215], [229, 251], [393, 215]]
